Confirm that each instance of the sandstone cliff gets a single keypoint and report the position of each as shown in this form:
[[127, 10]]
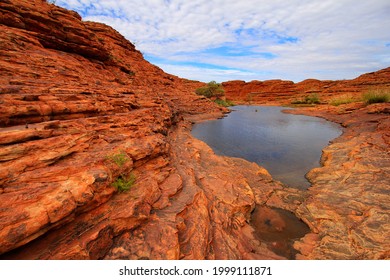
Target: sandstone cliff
[[281, 91], [347, 206], [81, 109]]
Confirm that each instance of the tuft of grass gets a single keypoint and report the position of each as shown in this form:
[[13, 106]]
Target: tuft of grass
[[124, 183], [309, 99], [376, 96], [312, 99], [343, 99], [224, 103], [119, 159]]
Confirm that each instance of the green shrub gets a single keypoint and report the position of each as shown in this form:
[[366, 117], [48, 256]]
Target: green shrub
[[124, 183], [312, 99], [298, 101], [343, 99], [376, 96], [309, 99], [119, 159], [212, 89], [224, 103]]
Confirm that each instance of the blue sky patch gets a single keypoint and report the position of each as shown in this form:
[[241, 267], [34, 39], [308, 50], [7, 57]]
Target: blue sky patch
[[238, 51], [161, 61]]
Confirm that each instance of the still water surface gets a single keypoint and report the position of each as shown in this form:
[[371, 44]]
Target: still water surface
[[287, 145]]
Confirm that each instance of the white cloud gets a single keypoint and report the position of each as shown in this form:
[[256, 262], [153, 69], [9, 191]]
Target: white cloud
[[209, 74], [325, 39]]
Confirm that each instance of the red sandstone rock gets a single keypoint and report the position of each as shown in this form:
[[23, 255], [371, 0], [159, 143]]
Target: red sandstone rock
[[347, 205], [284, 92], [72, 100], [72, 95]]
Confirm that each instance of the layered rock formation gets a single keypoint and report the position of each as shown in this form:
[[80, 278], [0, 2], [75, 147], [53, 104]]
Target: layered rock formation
[[81, 112], [348, 208], [284, 92]]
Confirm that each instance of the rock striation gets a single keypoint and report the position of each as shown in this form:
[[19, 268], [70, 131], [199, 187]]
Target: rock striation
[[347, 206], [276, 92], [80, 109]]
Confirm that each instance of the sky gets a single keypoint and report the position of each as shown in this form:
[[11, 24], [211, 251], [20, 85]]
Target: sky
[[248, 40]]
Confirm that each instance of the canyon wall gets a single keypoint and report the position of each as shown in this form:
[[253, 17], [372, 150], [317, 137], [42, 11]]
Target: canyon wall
[[285, 92], [81, 112], [347, 205]]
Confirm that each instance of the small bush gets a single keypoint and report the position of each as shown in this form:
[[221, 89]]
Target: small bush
[[124, 183], [119, 159], [310, 99], [224, 103], [212, 89], [376, 96], [343, 99]]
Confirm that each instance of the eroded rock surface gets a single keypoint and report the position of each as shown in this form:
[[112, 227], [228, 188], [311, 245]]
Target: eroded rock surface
[[348, 204], [276, 92], [347, 207], [81, 109], [74, 96]]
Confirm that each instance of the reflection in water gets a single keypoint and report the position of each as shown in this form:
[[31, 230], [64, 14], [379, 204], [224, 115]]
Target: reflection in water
[[278, 229], [288, 146]]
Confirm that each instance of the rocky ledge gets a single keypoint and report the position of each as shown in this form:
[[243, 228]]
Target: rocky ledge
[[276, 92], [83, 116], [347, 206]]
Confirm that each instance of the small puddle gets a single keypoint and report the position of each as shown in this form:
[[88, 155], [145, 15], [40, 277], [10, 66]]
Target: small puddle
[[278, 229]]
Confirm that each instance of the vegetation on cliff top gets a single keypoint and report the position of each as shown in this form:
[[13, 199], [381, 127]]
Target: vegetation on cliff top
[[215, 91], [212, 89]]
